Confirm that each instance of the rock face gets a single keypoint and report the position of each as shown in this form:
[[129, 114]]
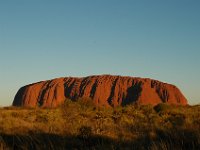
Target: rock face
[[104, 90]]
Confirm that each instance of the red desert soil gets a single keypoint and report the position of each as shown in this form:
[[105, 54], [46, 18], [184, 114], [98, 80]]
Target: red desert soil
[[105, 90]]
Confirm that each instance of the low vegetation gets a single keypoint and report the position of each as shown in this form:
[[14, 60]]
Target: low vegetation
[[81, 125]]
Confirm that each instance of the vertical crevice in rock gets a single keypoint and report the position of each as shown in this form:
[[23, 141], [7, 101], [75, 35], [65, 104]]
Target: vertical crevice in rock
[[133, 93], [41, 100], [112, 92], [93, 89], [68, 86], [83, 85]]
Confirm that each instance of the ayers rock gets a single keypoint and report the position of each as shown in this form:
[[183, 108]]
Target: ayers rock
[[104, 90]]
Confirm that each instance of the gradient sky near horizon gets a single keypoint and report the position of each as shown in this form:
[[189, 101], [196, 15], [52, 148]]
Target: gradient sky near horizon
[[45, 39]]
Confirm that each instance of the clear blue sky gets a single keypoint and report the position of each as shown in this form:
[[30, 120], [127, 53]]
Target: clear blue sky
[[45, 39]]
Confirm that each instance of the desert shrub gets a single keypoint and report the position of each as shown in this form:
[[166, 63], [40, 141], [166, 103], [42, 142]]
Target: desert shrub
[[42, 118], [116, 116], [86, 103], [162, 107], [177, 120], [69, 108], [67, 103], [99, 115], [85, 132], [15, 114], [147, 109]]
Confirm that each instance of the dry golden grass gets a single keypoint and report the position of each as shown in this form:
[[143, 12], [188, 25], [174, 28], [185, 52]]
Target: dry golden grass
[[80, 125]]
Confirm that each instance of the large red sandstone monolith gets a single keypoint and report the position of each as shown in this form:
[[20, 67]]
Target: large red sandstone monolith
[[104, 90]]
